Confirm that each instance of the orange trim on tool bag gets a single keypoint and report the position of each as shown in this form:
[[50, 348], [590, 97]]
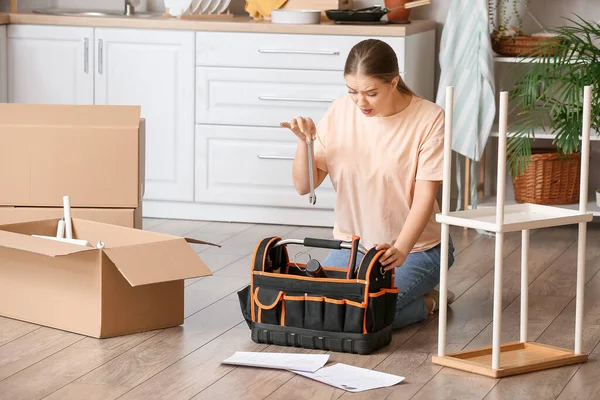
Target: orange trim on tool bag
[[293, 298], [314, 298], [334, 268], [355, 304], [308, 278], [368, 276], [252, 280], [259, 315], [267, 248], [271, 306], [282, 320], [377, 294], [352, 262], [335, 301], [303, 265], [252, 312]]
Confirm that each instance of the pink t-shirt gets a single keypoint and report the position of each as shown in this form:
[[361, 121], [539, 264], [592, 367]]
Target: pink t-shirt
[[373, 163]]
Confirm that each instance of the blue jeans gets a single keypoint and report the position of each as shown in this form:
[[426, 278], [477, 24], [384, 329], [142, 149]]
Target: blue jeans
[[419, 274]]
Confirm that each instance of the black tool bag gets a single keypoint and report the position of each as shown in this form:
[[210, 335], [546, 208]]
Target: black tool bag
[[347, 309]]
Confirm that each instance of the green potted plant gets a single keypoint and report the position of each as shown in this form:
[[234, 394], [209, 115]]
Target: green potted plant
[[548, 97]]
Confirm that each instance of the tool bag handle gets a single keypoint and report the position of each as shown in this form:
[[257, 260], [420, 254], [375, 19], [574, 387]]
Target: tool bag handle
[[321, 243]]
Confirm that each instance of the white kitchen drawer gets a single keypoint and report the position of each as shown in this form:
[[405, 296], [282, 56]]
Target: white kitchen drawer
[[246, 96], [293, 51], [250, 166]]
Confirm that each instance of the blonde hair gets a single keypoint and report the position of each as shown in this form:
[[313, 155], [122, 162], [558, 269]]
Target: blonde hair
[[375, 58]]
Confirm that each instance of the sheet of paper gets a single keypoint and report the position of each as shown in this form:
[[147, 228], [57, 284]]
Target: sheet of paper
[[352, 379], [288, 361]]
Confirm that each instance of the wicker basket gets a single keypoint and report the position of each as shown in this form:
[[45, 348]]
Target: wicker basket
[[514, 46], [549, 179]]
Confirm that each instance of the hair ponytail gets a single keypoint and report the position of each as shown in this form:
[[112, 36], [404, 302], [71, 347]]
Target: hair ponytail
[[403, 87], [375, 58]]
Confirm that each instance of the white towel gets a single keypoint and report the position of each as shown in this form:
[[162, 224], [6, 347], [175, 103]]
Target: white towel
[[467, 63]]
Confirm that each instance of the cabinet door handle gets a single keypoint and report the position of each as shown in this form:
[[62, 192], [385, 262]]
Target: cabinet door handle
[[100, 61], [310, 100], [267, 157], [86, 55], [315, 52]]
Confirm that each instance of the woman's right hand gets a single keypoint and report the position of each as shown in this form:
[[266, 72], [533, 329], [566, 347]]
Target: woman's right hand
[[303, 128]]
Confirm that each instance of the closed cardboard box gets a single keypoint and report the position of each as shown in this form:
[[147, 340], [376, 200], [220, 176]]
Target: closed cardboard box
[[92, 153], [135, 283], [127, 217]]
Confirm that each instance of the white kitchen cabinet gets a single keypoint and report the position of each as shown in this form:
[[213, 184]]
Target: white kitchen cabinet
[[250, 166], [113, 66], [3, 66], [282, 51], [264, 97], [50, 64], [154, 69]]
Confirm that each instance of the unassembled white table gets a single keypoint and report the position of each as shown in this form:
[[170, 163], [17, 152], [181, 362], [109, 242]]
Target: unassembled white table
[[523, 356]]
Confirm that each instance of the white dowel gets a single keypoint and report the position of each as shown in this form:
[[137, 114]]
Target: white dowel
[[501, 178], [447, 169], [499, 255], [497, 317], [60, 230], [585, 148], [582, 237], [443, 308], [67, 216], [524, 283], [581, 250]]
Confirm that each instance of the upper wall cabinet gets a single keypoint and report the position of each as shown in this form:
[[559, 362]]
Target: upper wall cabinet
[[155, 69], [50, 64]]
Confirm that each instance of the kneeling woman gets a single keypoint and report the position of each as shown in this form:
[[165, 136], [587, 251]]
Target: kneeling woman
[[382, 147]]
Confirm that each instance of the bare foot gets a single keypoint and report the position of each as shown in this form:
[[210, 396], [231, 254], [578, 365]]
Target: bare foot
[[429, 303]]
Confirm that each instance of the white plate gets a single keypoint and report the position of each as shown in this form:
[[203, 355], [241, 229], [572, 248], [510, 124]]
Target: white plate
[[204, 4], [223, 6], [214, 5], [196, 6]]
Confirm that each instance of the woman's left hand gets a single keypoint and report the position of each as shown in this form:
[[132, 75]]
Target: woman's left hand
[[392, 257]]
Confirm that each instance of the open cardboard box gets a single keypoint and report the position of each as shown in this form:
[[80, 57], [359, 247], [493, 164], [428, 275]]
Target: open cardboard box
[[127, 217], [135, 283], [92, 153]]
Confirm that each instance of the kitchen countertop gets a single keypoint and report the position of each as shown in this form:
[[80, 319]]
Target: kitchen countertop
[[235, 24]]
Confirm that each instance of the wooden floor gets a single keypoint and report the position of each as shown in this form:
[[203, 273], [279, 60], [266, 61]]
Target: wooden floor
[[184, 362]]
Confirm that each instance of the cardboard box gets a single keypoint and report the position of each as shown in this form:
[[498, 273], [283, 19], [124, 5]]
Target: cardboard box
[[127, 217], [92, 153], [134, 284]]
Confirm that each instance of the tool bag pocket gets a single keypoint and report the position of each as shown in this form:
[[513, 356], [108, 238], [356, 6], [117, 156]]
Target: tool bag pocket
[[381, 309], [322, 313], [268, 305]]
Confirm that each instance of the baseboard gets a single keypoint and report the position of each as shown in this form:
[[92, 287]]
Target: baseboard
[[238, 213]]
